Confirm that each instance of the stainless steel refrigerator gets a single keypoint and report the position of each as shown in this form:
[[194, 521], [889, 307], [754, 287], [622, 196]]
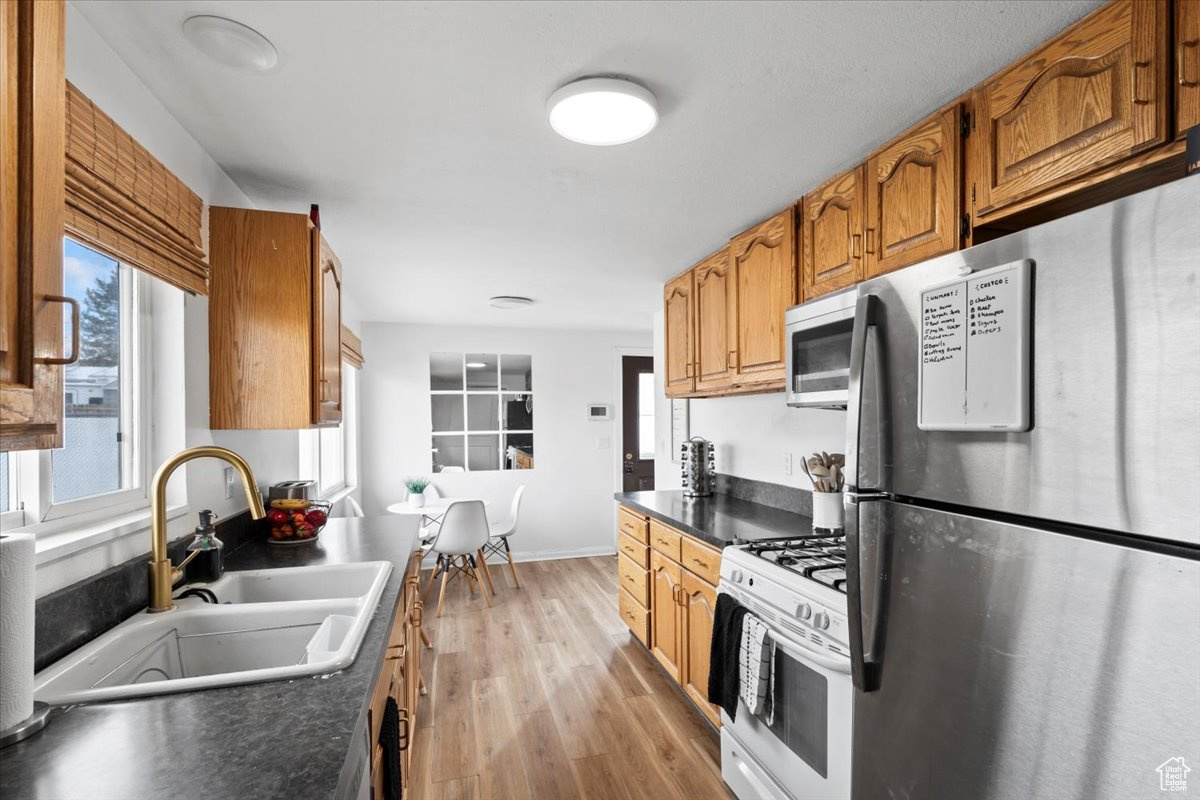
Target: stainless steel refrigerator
[[1025, 605]]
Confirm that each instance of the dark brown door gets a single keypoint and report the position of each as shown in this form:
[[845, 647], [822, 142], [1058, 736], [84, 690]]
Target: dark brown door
[[637, 423]]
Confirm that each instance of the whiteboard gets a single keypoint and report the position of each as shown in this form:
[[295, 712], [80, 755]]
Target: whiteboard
[[974, 352]]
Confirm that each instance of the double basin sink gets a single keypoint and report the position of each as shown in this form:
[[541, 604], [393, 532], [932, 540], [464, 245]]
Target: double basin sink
[[266, 625]]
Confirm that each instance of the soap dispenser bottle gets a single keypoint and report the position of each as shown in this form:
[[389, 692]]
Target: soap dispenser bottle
[[209, 564]]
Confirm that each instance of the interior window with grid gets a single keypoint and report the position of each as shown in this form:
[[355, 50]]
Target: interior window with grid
[[482, 411], [100, 463]]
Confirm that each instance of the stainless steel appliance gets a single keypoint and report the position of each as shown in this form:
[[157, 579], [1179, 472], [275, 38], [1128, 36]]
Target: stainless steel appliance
[[293, 490], [697, 466], [817, 342], [797, 588], [1024, 607]]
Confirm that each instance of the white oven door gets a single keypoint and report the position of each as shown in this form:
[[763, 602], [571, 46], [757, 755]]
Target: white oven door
[[806, 748]]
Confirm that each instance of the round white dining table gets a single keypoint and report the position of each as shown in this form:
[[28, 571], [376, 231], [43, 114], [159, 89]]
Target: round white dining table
[[432, 508]]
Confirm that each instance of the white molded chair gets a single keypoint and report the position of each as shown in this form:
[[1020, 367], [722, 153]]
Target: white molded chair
[[453, 469], [460, 538], [500, 531], [429, 522]]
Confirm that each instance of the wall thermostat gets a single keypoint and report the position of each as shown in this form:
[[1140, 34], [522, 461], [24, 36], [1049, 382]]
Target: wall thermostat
[[598, 412]]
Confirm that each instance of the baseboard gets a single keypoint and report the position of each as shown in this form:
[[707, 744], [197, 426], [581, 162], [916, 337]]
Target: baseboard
[[548, 555]]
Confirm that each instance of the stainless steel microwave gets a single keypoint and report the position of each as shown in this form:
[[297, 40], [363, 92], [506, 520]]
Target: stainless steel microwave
[[818, 351]]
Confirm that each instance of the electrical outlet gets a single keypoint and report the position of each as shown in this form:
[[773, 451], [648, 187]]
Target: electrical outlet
[[230, 482], [787, 463]]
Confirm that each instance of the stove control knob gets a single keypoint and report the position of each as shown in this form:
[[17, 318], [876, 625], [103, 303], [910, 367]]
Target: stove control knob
[[803, 610], [821, 620], [736, 575]]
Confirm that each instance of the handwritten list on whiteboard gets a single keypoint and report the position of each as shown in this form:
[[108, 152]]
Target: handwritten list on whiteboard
[[974, 359]]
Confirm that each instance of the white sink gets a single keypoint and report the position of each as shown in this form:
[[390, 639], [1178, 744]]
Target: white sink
[[295, 583], [269, 635]]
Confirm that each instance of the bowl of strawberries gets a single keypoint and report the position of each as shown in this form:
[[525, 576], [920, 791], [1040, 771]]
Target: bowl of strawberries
[[295, 521]]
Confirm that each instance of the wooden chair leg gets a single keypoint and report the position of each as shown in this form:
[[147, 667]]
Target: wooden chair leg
[[511, 565], [471, 576], [432, 578], [421, 683], [482, 590], [425, 638], [487, 573], [442, 591]]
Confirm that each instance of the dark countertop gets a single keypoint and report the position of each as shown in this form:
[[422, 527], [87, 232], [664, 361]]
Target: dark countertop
[[718, 519], [282, 739]]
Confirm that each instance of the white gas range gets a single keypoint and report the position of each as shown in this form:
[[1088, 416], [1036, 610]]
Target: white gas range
[[798, 588]]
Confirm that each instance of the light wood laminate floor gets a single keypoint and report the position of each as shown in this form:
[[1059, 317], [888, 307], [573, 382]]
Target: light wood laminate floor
[[547, 695]]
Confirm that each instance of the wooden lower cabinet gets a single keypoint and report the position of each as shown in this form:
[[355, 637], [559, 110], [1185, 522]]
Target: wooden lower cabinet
[[677, 625], [700, 604], [399, 679]]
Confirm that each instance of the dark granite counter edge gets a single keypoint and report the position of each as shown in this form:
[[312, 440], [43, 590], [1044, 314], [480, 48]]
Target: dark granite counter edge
[[666, 519]]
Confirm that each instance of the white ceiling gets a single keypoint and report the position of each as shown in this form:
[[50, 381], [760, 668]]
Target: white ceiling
[[420, 129]]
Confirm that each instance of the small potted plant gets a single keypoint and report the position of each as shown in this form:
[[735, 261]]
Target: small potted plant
[[416, 491], [825, 472]]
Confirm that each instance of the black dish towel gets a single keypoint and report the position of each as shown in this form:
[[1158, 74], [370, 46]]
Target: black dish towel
[[723, 669], [389, 741]]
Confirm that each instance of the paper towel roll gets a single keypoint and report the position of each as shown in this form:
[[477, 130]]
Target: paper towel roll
[[16, 628]]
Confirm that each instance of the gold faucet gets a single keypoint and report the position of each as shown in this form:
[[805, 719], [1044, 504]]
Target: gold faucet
[[163, 574]]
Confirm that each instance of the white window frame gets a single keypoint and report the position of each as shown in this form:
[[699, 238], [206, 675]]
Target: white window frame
[[311, 453], [499, 392], [31, 471]]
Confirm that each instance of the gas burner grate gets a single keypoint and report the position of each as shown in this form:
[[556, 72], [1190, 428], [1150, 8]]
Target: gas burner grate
[[820, 557]]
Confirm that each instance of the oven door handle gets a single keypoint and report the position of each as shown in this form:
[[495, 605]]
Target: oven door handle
[[812, 654]]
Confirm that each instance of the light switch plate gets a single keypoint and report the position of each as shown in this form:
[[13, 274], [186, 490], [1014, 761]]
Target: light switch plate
[[787, 463]]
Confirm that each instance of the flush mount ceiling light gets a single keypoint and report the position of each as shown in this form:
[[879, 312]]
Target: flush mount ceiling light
[[509, 301], [230, 43], [602, 111], [475, 365]]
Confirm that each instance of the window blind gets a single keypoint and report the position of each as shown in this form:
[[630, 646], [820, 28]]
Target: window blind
[[123, 201], [352, 348]]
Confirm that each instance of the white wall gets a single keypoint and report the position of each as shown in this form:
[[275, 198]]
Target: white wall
[[180, 321], [751, 433], [568, 507]]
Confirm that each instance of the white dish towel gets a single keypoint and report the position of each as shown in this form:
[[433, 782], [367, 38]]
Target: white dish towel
[[756, 667]]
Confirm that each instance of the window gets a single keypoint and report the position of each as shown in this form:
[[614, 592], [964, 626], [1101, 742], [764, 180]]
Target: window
[[482, 411], [645, 414], [101, 464], [334, 458]]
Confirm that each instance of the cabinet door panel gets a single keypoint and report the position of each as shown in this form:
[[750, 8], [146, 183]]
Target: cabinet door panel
[[832, 236], [327, 335], [665, 633], [1187, 65], [914, 196], [32, 120], [716, 313], [763, 260], [700, 607], [1092, 96], [680, 321]]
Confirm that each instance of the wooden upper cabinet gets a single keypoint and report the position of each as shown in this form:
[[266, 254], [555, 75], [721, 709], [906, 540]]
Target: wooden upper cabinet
[[914, 195], [1092, 96], [274, 326], [832, 235], [1187, 65], [327, 333], [679, 319], [763, 259], [32, 130], [665, 612], [716, 322]]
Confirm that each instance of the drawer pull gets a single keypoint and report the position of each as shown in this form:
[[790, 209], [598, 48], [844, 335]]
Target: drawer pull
[[700, 563], [1179, 68], [70, 301], [1137, 99], [405, 740]]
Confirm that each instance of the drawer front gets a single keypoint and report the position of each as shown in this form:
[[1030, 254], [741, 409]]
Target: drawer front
[[634, 550], [665, 540], [632, 524], [635, 616], [634, 579], [702, 561]]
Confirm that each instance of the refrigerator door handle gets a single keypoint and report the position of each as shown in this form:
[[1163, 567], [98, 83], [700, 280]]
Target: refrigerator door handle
[[865, 317], [866, 603]]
